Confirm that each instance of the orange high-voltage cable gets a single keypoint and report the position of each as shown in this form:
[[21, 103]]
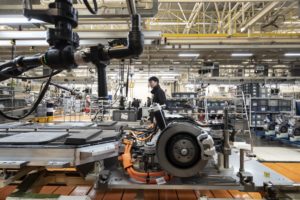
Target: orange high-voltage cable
[[145, 177]]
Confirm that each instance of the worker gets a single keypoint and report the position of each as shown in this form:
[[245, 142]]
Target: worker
[[135, 103], [159, 95]]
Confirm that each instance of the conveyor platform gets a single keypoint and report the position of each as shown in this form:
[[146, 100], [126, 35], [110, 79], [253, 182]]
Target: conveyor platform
[[55, 145]]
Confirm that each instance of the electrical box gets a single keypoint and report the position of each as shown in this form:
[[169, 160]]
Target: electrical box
[[125, 115]]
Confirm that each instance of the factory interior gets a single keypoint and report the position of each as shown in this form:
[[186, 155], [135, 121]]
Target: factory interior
[[149, 99]]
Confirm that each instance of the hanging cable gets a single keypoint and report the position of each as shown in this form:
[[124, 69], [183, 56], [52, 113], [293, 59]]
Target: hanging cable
[[5, 65], [89, 7], [31, 78], [37, 102]]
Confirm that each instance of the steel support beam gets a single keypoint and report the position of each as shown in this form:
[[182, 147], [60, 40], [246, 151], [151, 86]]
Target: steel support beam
[[192, 18], [241, 46], [218, 1], [238, 14], [259, 15], [35, 35]]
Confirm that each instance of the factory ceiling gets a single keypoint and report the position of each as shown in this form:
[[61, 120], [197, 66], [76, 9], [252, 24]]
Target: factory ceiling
[[267, 31]]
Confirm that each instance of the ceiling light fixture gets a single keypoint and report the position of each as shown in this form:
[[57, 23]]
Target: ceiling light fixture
[[189, 55], [292, 54], [291, 22], [13, 19], [24, 43], [241, 54]]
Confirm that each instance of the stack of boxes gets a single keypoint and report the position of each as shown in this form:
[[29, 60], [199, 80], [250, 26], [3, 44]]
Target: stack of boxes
[[252, 89], [261, 107], [180, 95]]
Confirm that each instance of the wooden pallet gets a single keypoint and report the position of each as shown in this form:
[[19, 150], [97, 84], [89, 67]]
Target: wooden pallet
[[290, 170], [117, 194], [6, 191]]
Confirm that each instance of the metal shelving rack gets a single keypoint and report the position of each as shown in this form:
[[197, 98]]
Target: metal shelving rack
[[268, 108], [216, 109]]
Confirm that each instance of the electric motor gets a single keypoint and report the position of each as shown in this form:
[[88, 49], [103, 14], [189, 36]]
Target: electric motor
[[271, 126], [283, 128], [296, 132]]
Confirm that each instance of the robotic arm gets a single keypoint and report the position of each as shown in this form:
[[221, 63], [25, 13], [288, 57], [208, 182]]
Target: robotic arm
[[63, 53]]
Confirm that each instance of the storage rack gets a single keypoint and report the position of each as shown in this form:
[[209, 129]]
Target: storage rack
[[252, 89], [10, 104], [214, 106], [260, 107], [182, 103], [8, 99]]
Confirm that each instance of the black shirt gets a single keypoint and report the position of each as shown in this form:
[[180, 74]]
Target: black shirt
[[159, 95]]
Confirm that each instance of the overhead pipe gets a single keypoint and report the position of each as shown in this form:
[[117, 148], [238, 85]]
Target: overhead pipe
[[131, 7], [101, 55], [135, 42]]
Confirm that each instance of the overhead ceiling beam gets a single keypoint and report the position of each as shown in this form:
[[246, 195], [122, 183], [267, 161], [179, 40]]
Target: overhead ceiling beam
[[259, 15], [192, 18], [218, 1], [238, 14], [249, 46], [182, 12], [17, 35], [107, 9]]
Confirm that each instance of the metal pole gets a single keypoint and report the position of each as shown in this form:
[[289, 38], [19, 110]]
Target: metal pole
[[131, 7], [242, 160], [226, 150]]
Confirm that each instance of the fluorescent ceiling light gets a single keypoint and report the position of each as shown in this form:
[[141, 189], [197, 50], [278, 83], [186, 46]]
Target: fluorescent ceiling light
[[175, 23], [242, 54], [189, 55], [147, 75], [168, 77], [13, 19], [243, 29], [24, 43], [291, 22], [176, 62], [292, 54]]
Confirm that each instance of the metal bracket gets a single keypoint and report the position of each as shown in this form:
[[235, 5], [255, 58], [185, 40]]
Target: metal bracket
[[102, 180], [57, 164], [12, 164], [270, 192], [246, 178], [19, 175]]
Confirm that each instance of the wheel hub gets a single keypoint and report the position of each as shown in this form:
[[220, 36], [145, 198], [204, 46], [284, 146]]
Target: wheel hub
[[182, 150]]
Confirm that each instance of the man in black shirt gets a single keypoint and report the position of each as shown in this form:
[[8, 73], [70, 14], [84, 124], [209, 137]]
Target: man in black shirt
[[159, 95]]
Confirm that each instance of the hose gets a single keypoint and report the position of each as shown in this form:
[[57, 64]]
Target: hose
[[89, 7], [31, 78], [140, 139], [144, 177], [37, 102]]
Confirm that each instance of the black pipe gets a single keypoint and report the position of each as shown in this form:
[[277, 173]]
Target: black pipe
[[18, 66], [135, 44], [131, 7], [102, 84]]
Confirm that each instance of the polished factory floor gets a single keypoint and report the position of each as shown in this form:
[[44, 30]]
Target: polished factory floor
[[290, 170]]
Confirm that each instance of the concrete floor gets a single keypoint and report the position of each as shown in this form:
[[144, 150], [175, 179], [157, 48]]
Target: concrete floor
[[272, 151]]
